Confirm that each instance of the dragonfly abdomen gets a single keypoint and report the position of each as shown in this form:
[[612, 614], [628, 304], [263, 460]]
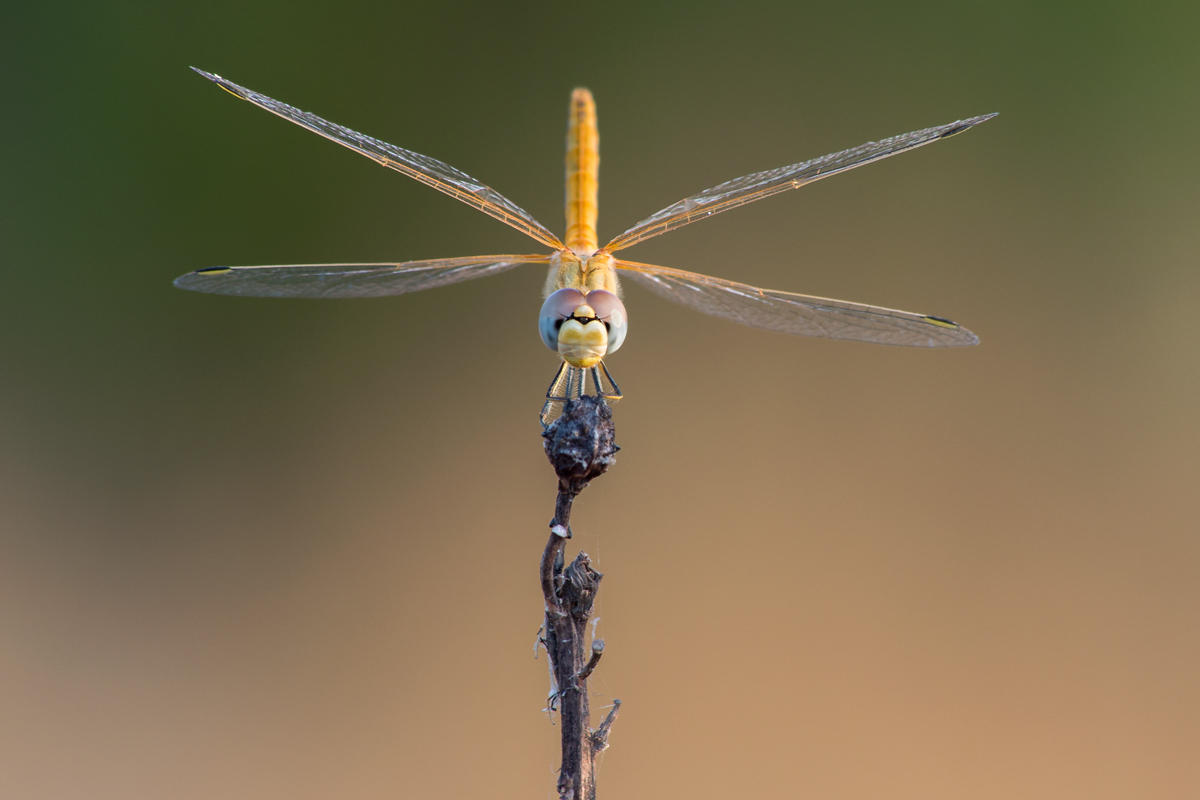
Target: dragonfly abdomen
[[583, 168]]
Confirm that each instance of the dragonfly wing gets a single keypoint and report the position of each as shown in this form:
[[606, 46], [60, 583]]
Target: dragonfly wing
[[348, 280], [428, 171], [797, 313], [749, 188]]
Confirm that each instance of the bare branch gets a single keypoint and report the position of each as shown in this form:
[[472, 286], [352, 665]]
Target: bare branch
[[580, 446], [552, 554]]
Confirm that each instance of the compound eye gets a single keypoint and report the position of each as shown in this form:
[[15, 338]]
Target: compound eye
[[611, 311], [558, 306]]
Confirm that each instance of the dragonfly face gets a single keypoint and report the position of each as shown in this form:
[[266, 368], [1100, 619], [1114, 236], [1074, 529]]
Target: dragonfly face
[[583, 319], [583, 328]]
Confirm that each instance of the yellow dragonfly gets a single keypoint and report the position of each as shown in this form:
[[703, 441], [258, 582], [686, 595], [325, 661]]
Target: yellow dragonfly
[[583, 319]]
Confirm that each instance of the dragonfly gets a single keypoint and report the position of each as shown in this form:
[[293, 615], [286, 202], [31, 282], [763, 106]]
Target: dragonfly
[[583, 319]]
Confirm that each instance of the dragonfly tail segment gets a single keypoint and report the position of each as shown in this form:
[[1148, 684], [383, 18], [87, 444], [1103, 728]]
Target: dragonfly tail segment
[[572, 383], [583, 165]]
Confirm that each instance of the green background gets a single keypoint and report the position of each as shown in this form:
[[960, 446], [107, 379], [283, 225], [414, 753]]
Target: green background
[[287, 549]]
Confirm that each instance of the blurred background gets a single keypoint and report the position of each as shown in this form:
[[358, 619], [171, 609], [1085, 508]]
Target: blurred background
[[288, 549]]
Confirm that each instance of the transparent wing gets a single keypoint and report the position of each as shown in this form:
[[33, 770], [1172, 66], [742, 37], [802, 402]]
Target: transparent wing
[[348, 280], [749, 188], [797, 313], [428, 171]]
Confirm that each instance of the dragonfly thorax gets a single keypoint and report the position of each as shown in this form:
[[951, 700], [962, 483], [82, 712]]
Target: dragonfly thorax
[[569, 270]]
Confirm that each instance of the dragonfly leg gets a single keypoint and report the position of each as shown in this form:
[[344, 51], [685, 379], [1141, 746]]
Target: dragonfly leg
[[562, 388], [606, 387], [571, 383]]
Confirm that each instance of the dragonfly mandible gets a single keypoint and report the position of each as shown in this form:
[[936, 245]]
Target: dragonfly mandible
[[583, 319]]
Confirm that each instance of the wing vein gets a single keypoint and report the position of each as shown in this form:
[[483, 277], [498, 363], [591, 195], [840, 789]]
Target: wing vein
[[349, 280], [758, 185], [798, 314], [429, 171]]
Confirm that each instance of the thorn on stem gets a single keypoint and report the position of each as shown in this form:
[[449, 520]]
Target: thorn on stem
[[600, 735], [586, 672]]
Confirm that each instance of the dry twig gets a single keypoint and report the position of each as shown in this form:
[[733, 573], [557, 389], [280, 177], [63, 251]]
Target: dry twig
[[580, 446]]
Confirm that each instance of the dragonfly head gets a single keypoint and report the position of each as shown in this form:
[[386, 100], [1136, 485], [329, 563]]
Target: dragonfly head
[[583, 328]]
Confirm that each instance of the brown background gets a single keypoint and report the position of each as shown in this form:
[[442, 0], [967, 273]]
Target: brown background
[[258, 549]]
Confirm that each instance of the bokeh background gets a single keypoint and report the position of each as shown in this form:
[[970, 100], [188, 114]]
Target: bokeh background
[[287, 549]]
